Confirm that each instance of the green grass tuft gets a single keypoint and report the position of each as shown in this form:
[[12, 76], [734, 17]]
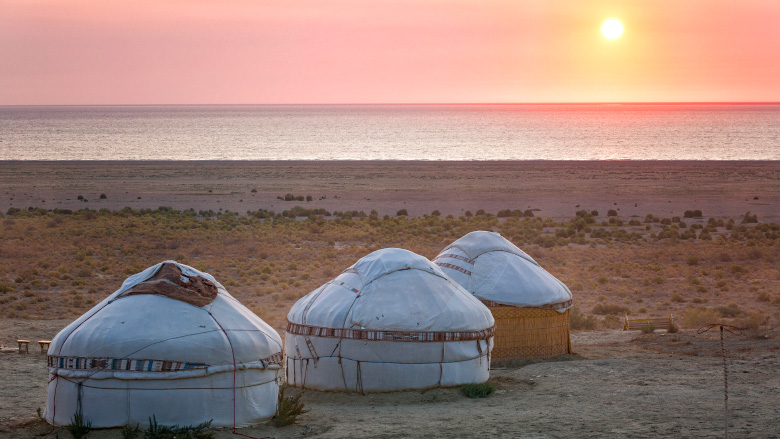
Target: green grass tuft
[[482, 390], [289, 408]]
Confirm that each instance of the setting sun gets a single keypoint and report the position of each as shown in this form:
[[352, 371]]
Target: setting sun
[[612, 29]]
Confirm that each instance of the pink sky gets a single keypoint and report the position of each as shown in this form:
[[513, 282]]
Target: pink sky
[[386, 51]]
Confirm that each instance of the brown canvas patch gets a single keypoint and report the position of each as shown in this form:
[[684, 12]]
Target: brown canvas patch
[[168, 282]]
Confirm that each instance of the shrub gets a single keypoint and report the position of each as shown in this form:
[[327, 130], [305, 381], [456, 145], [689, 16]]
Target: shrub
[[612, 321], [677, 298], [730, 310], [701, 316], [612, 212], [580, 321], [750, 218], [609, 309], [482, 390], [402, 212], [648, 328], [753, 320], [103, 196], [693, 260], [79, 427], [157, 431], [289, 408], [130, 432], [762, 297], [673, 329]]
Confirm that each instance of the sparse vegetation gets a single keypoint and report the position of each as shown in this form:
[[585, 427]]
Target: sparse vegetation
[[288, 409], [79, 427], [130, 432], [648, 328], [269, 259], [157, 431], [482, 390]]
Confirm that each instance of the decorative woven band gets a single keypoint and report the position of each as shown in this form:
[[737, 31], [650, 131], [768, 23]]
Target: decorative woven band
[[558, 305], [368, 334], [454, 267], [133, 365], [454, 256]]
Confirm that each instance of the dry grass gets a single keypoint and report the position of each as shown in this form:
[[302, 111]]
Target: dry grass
[[61, 264]]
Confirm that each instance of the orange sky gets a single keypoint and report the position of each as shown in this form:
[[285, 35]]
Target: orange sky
[[386, 51]]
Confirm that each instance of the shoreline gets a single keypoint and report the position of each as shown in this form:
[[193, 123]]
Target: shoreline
[[557, 188]]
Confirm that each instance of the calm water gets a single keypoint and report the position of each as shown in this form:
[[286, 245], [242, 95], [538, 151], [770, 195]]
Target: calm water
[[427, 132]]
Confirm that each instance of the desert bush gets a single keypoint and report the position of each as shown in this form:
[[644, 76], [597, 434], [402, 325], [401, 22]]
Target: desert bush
[[753, 320], [730, 310], [609, 309], [612, 321], [648, 328], [79, 427], [693, 260], [677, 298], [482, 390], [700, 316], [748, 218], [579, 321], [402, 212], [288, 409]]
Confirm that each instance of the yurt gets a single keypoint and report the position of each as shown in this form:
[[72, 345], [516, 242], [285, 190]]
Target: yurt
[[170, 343], [392, 321], [531, 306]]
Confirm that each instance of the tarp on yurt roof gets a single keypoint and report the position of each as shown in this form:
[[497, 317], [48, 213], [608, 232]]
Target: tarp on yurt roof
[[495, 270], [169, 334]]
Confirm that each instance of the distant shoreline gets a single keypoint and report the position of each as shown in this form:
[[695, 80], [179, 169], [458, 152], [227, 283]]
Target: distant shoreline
[[557, 188]]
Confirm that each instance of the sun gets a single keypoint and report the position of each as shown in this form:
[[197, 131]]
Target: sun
[[612, 29]]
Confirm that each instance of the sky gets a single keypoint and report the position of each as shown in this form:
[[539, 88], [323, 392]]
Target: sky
[[112, 52]]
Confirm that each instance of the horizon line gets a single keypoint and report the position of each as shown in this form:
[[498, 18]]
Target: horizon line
[[412, 104]]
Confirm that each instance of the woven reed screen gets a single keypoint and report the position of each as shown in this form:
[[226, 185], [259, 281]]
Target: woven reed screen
[[529, 333]]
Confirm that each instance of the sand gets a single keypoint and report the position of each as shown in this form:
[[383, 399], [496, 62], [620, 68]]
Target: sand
[[557, 189], [619, 384]]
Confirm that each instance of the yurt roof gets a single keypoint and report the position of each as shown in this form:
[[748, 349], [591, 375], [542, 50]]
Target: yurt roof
[[170, 312], [392, 289], [493, 269]]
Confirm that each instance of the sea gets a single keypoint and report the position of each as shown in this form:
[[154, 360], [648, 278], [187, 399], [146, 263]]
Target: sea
[[392, 132]]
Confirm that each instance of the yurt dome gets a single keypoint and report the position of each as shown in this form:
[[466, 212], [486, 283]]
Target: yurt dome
[[529, 304], [392, 321], [170, 343]]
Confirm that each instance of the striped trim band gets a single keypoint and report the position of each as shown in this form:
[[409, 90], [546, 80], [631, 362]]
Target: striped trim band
[[454, 267], [454, 256], [559, 305], [134, 365], [372, 335]]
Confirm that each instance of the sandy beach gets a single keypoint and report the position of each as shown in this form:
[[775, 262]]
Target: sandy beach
[[557, 189]]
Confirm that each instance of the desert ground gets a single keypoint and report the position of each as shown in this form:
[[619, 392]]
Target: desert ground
[[727, 189], [617, 384], [648, 259]]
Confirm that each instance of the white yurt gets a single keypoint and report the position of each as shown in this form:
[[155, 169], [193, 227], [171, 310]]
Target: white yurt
[[531, 306], [170, 343], [392, 321]]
